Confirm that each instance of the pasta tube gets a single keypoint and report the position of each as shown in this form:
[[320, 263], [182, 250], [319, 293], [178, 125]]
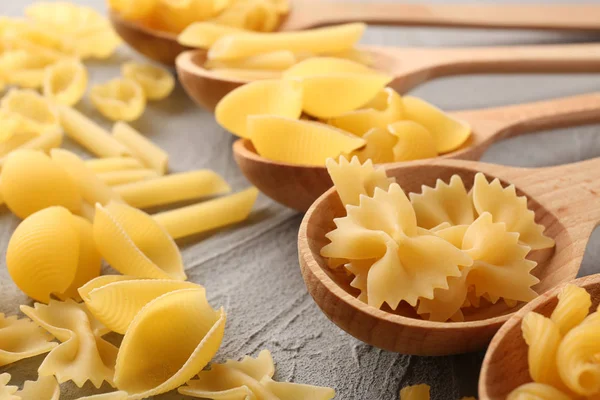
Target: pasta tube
[[127, 176], [144, 150], [112, 164]]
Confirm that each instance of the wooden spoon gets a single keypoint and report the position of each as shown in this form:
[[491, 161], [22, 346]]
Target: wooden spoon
[[298, 186], [565, 199], [505, 366], [411, 67], [163, 47]]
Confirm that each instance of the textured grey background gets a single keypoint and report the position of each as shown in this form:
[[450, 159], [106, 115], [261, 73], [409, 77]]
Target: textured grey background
[[252, 269]]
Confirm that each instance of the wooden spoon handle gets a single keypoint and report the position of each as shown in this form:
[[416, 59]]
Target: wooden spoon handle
[[310, 13]]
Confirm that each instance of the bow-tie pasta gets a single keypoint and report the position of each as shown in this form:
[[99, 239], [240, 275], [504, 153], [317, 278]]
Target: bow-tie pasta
[[7, 392], [250, 378], [82, 355], [21, 338], [52, 252], [65, 82], [168, 342], [45, 388], [120, 395], [120, 99]]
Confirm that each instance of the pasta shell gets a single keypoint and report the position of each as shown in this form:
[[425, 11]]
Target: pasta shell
[[45, 388], [414, 141], [134, 244], [120, 395], [100, 44], [20, 339], [119, 99], [272, 97], [204, 34], [84, 291], [449, 133], [66, 82], [14, 132], [116, 304], [25, 68], [379, 148], [169, 341], [37, 112], [7, 392], [158, 83], [298, 141], [65, 17]]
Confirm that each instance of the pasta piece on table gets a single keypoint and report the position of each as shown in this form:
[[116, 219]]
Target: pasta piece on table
[[169, 341], [100, 44], [16, 140], [143, 149], [66, 82], [271, 97], [134, 244], [36, 112], [82, 355], [204, 34], [123, 177], [120, 99], [298, 141], [7, 392], [25, 68], [173, 188], [45, 388], [414, 141], [157, 82], [90, 135], [250, 378], [31, 181], [65, 17], [208, 215], [415, 392], [22, 338], [45, 142]]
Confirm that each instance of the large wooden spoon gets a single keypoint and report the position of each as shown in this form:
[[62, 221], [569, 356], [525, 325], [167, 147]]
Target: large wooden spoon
[[565, 199], [163, 47], [298, 186], [505, 365], [411, 67]]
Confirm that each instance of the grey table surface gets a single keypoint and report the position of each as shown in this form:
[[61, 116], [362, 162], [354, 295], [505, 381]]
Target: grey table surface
[[252, 269]]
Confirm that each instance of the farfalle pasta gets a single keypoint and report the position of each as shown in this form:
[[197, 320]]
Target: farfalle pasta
[[561, 349], [82, 355], [157, 82], [44, 388], [21, 338], [157, 356], [52, 252], [385, 241], [250, 378], [120, 99], [65, 82], [7, 391]]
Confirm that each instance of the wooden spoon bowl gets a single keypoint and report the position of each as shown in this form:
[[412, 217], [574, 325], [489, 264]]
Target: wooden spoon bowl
[[566, 200], [505, 366], [298, 186]]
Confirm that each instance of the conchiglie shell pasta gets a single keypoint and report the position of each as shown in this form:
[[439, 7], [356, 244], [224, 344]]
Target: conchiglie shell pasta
[[204, 34], [66, 82], [330, 96], [449, 133], [85, 290], [31, 181], [379, 148], [299, 142], [37, 112], [25, 68], [119, 99], [157, 82], [134, 244], [273, 97], [43, 253], [170, 340], [414, 141], [116, 304]]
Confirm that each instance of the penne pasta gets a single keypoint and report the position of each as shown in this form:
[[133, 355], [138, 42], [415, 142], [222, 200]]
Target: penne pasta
[[246, 74], [275, 60], [99, 165], [143, 149], [321, 40], [208, 215], [173, 188], [90, 135], [205, 34], [114, 178]]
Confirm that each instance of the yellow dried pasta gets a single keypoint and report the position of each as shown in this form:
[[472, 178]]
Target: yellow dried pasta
[[119, 99], [45, 142], [21, 338], [65, 82], [112, 164], [414, 142], [321, 40], [25, 68], [415, 392], [318, 66], [82, 355], [115, 178], [45, 388], [119, 395], [157, 82], [134, 244], [31, 181], [250, 378], [275, 60], [173, 188], [538, 391], [573, 306], [6, 391], [204, 34], [298, 141], [270, 97], [379, 147], [36, 112], [246, 75], [169, 341], [36, 264], [208, 215], [143, 149], [117, 303], [543, 338]]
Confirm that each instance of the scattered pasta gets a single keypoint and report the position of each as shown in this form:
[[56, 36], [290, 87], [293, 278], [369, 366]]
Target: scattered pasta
[[115, 178], [20, 339], [143, 149], [7, 391], [113, 164], [420, 392], [157, 82], [386, 241], [120, 99], [249, 378], [65, 82], [36, 113]]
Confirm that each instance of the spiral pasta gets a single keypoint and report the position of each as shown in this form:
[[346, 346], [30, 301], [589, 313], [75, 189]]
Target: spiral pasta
[[543, 338], [573, 306]]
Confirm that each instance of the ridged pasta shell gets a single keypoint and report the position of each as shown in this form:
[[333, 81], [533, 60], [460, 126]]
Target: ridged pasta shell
[[22, 338], [169, 341], [45, 388], [158, 83], [116, 304], [134, 244], [84, 291], [31, 181], [43, 253], [119, 99], [40, 115], [66, 81]]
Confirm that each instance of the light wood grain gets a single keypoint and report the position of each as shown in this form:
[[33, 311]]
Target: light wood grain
[[298, 186], [565, 199], [505, 366]]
